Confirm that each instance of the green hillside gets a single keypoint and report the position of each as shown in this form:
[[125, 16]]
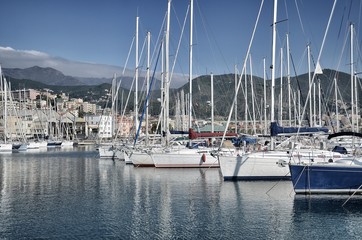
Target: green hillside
[[224, 91]]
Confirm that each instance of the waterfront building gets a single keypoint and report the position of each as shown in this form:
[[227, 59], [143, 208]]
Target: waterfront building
[[100, 125], [87, 107]]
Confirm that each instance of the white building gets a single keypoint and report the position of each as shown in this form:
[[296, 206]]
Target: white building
[[88, 107], [102, 125]]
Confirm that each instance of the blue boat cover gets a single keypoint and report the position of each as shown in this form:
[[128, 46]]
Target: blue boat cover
[[275, 129], [248, 140]]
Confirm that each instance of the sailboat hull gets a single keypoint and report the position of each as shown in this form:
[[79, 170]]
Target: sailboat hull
[[141, 159], [109, 152], [185, 158], [6, 147], [272, 166], [327, 178]]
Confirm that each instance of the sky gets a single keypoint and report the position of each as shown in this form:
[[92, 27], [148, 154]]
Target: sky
[[75, 36]]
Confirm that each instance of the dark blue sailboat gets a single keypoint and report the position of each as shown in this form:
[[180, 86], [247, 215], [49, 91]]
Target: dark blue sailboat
[[341, 176], [344, 177]]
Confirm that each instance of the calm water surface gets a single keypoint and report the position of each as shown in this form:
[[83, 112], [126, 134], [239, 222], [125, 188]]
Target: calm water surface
[[70, 193]]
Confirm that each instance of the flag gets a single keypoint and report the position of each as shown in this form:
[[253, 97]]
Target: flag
[[318, 69]]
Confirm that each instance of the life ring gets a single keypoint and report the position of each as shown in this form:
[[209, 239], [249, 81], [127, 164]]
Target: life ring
[[203, 157]]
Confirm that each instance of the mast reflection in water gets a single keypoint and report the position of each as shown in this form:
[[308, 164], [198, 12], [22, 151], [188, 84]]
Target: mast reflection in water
[[71, 193]]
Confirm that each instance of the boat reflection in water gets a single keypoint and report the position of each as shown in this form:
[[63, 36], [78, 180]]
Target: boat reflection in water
[[99, 198], [326, 217]]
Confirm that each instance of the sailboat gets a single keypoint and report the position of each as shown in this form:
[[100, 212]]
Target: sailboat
[[272, 164], [139, 155], [115, 150], [257, 165], [342, 176], [38, 129], [4, 146], [176, 156]]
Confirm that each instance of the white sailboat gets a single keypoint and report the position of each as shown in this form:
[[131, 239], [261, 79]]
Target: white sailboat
[[107, 151], [139, 156], [257, 165], [115, 149], [180, 156], [185, 158], [37, 144], [4, 146], [273, 164]]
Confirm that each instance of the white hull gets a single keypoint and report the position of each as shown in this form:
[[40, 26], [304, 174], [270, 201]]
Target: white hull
[[124, 152], [254, 166], [109, 152], [122, 155], [269, 165], [67, 143], [43, 144], [36, 145], [23, 147], [127, 160], [141, 159], [185, 158], [6, 147]]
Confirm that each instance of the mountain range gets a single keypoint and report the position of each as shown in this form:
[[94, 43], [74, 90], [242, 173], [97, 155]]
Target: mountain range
[[93, 90], [53, 77]]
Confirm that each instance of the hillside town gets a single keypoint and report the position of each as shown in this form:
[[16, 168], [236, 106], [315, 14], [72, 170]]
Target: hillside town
[[34, 114]]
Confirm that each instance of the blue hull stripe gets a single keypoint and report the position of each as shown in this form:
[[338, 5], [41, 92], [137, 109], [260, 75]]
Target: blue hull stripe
[[326, 179]]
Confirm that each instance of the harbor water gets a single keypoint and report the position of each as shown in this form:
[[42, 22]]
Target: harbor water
[[72, 194]]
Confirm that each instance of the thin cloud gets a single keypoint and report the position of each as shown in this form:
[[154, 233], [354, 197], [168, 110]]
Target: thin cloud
[[12, 58]]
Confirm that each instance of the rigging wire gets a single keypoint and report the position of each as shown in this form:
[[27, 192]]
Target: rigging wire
[[301, 96], [319, 55], [147, 98], [205, 24], [243, 70], [300, 18], [120, 82]]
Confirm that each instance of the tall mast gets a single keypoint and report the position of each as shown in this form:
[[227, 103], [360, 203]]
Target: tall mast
[[190, 61], [246, 101], [212, 102], [148, 80], [289, 87], [265, 103], [5, 108], [162, 86], [136, 79], [236, 99], [167, 73], [114, 105], [352, 78], [299, 107], [281, 87], [252, 95], [310, 85], [356, 101], [319, 103], [273, 67], [5, 96], [336, 97], [314, 103]]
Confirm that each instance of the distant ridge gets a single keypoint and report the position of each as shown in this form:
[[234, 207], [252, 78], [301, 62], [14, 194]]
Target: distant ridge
[[223, 91], [49, 76], [53, 77]]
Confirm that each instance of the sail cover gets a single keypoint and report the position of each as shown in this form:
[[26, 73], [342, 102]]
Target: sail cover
[[275, 129]]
